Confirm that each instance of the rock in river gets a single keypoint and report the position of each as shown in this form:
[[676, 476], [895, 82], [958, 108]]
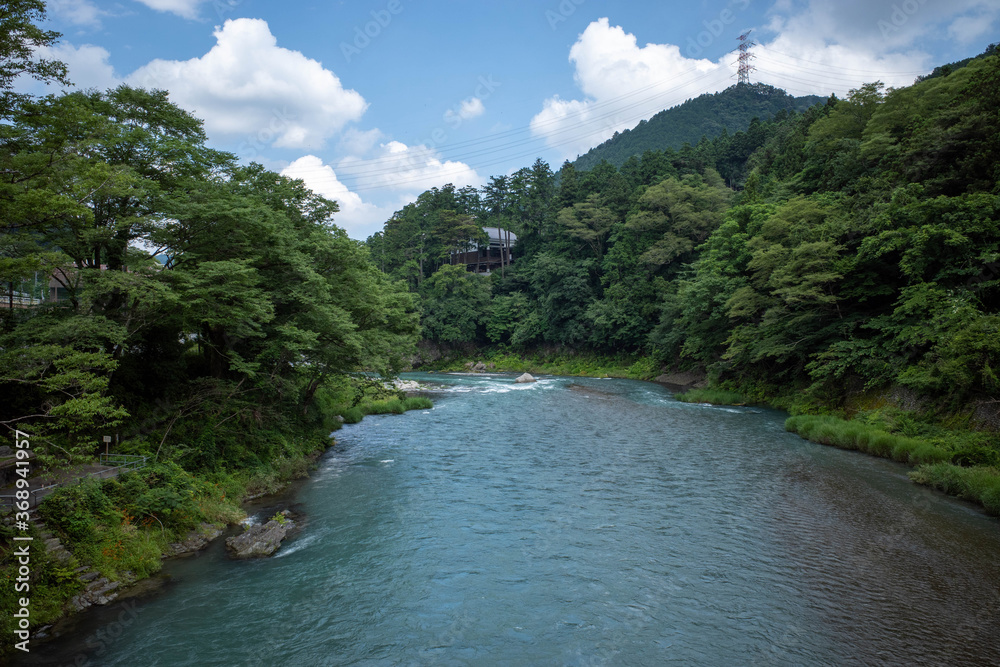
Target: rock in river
[[260, 540], [526, 378]]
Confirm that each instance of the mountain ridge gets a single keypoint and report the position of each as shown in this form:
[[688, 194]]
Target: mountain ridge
[[709, 115]]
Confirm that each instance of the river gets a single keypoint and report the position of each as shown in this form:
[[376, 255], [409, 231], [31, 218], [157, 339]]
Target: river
[[581, 521]]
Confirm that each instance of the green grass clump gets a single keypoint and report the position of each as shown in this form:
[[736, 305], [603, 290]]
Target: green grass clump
[[352, 415], [384, 407], [979, 484], [828, 430], [713, 396], [418, 403]]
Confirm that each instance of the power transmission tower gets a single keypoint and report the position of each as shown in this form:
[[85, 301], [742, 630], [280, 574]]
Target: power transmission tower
[[745, 57]]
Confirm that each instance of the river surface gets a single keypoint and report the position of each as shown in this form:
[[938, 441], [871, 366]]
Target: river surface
[[581, 522]]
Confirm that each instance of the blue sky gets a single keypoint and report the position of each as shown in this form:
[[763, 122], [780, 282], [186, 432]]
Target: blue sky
[[372, 102]]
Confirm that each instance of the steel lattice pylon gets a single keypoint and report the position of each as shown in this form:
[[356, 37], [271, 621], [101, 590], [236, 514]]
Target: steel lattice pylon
[[745, 57]]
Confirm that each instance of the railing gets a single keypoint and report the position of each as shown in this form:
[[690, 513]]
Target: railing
[[121, 462], [34, 497], [7, 301], [118, 463]]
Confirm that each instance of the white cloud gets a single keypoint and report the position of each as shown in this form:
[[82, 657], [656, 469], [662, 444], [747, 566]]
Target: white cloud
[[359, 218], [809, 47], [394, 174], [77, 12], [467, 110], [401, 168], [875, 27], [88, 65], [248, 87], [804, 66], [623, 83], [184, 8], [819, 47]]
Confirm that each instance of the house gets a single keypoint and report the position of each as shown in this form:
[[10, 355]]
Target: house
[[34, 291], [489, 257]]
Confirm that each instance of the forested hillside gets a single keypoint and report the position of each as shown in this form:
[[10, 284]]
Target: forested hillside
[[862, 250], [707, 116]]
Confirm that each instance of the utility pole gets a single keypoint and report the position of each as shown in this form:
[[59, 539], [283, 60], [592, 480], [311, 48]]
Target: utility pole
[[745, 57]]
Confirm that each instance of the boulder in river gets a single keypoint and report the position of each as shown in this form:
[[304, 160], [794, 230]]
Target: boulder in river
[[260, 540], [525, 378]]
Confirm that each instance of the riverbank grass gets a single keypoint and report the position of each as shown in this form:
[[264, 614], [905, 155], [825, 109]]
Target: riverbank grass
[[829, 430], [979, 484], [713, 396], [937, 464], [354, 414], [540, 363]]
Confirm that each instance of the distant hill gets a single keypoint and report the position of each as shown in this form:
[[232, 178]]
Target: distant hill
[[732, 109], [945, 70]]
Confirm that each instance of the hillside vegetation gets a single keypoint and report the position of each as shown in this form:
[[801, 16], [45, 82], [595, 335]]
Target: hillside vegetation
[[707, 116]]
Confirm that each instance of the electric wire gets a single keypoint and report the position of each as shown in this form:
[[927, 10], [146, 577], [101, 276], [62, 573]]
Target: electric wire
[[484, 152]]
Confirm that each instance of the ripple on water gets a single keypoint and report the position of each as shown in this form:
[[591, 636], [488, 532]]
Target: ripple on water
[[586, 522]]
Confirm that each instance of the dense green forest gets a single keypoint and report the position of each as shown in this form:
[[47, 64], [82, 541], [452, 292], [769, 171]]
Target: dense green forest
[[846, 249], [211, 316], [705, 117]]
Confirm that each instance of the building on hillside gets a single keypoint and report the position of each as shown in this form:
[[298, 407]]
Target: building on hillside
[[489, 257]]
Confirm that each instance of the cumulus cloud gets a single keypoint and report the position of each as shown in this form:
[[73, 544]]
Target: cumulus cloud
[[401, 168], [623, 83], [467, 110], [248, 87], [89, 66], [808, 47], [394, 174], [874, 27], [819, 47], [359, 218]]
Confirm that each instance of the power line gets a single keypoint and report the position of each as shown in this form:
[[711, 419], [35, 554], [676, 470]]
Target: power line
[[486, 149]]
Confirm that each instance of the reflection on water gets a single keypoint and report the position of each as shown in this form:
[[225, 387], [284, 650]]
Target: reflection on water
[[585, 522]]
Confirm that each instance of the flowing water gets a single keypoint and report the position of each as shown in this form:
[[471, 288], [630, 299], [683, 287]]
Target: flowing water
[[581, 522]]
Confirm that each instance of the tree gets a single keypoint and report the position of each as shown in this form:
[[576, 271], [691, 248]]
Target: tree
[[20, 39], [456, 305], [588, 222]]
